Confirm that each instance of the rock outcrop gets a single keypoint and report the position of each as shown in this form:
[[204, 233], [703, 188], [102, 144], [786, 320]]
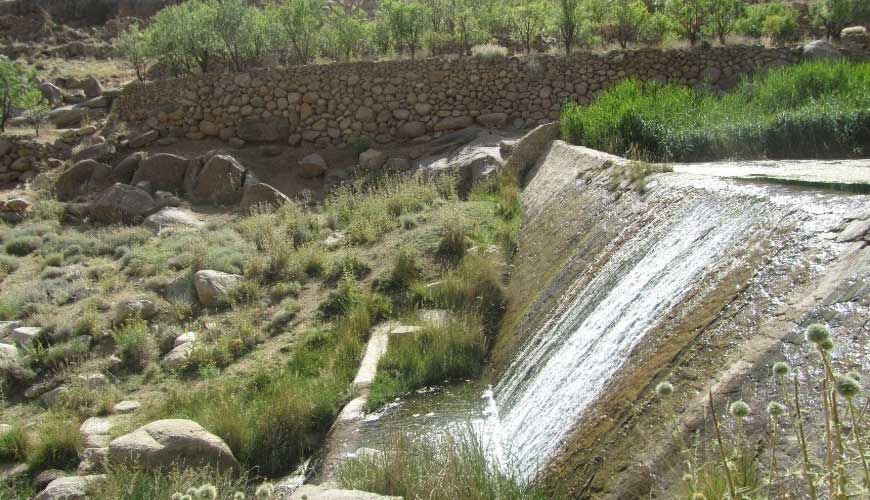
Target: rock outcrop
[[122, 203], [214, 287], [173, 441]]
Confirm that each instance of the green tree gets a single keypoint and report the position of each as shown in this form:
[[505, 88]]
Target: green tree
[[690, 17], [834, 15], [624, 19], [780, 28], [468, 30], [724, 14], [182, 38], [569, 22], [406, 22], [133, 47], [753, 22], [35, 104], [236, 27], [347, 35], [18, 90], [303, 22], [532, 20]]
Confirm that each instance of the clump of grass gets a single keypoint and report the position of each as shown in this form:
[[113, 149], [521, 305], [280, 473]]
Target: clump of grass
[[137, 484], [238, 338], [8, 265], [817, 109], [453, 236], [452, 468], [434, 355], [489, 51], [347, 264], [14, 444], [136, 345], [60, 355], [474, 286], [57, 443], [23, 245]]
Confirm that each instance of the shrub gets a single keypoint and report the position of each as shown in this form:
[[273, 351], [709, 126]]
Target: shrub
[[132, 483], [475, 287], [406, 269], [23, 245], [489, 51], [453, 229], [60, 355], [8, 265], [14, 444], [347, 264], [431, 356], [136, 345], [57, 443]]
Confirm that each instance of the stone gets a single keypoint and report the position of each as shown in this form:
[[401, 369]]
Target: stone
[[92, 461], [854, 231], [134, 308], [126, 407], [51, 93], [93, 381], [185, 338], [213, 287], [24, 336], [261, 195], [9, 358], [50, 398], [177, 358], [164, 171], [412, 130], [96, 431], [165, 442], [17, 205], [12, 472], [121, 203], [711, 74], [821, 49], [219, 182], [209, 128], [172, 217], [181, 291], [312, 492], [84, 177], [853, 31], [312, 166], [87, 131], [67, 116], [372, 159], [95, 103], [98, 152], [126, 168], [365, 115], [264, 130], [506, 147], [70, 488], [143, 140], [453, 123], [493, 120], [334, 241], [41, 480], [92, 87]]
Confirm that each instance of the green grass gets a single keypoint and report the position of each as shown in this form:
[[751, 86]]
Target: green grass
[[57, 443], [137, 484], [434, 355], [23, 245], [453, 468], [8, 265], [811, 110], [136, 345], [476, 287], [14, 444]]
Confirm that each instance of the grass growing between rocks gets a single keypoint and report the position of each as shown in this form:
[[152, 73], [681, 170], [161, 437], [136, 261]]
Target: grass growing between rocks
[[812, 110], [135, 484], [455, 468]]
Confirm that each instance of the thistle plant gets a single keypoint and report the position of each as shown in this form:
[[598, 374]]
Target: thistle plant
[[739, 410], [664, 390], [265, 491], [207, 492], [775, 411], [731, 487], [849, 388]]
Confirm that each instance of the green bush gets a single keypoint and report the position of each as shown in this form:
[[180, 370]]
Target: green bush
[[8, 265], [453, 233], [136, 345], [23, 245], [476, 287], [60, 355], [431, 356], [14, 444], [819, 109], [137, 484], [57, 443]]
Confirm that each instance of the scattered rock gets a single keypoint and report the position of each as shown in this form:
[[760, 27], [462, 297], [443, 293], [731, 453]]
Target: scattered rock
[[264, 130], [94, 381], [17, 205], [130, 308], [84, 177], [213, 287], [164, 171], [334, 241], [43, 478], [854, 231], [121, 203], [70, 488], [219, 182], [51, 397], [312, 166], [51, 93], [171, 216], [261, 195], [854, 31], [821, 49], [143, 140], [24, 336], [372, 159], [453, 123], [185, 338], [412, 130], [312, 492], [181, 291], [126, 407], [96, 432], [164, 442], [67, 116], [177, 357], [92, 87], [124, 170], [92, 461], [493, 120]]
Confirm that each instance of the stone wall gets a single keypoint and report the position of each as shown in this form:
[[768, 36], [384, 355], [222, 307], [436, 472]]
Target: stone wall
[[403, 100], [21, 158]]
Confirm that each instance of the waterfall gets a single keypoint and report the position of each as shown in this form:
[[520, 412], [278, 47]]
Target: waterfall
[[566, 364]]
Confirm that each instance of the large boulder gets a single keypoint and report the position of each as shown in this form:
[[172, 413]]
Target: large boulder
[[172, 217], [24, 336], [124, 170], [51, 93], [122, 203], [70, 488], [264, 130], [92, 87], [372, 159], [164, 171], [145, 139], [219, 182], [312, 166], [213, 287], [84, 177], [99, 152], [177, 358], [263, 196], [821, 49], [174, 441], [130, 308], [412, 130], [67, 116]]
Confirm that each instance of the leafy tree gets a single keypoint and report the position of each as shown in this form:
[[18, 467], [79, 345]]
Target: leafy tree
[[655, 29], [133, 46], [834, 15], [236, 26], [18, 90], [466, 25], [532, 20], [181, 37], [347, 35], [303, 22], [36, 105], [569, 22], [625, 18], [406, 22], [780, 28], [690, 17], [753, 21], [724, 14]]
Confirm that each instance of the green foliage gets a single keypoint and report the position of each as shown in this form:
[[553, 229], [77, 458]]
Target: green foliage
[[724, 15], [132, 483], [690, 17], [136, 345], [810, 110], [430, 356], [18, 90], [453, 468], [834, 15], [14, 444], [405, 22], [475, 287], [8, 265], [132, 45], [57, 443], [347, 37], [453, 232], [23, 245], [755, 17], [302, 23], [533, 20]]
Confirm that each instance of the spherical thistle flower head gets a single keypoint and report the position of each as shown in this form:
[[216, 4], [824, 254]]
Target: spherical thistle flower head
[[818, 332], [848, 387], [775, 409], [207, 491], [827, 345], [192, 491], [265, 491], [699, 496], [739, 409], [854, 376], [664, 389], [176, 496], [687, 478], [781, 369], [238, 496]]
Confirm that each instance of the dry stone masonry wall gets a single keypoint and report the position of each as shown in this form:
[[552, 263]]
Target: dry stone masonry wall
[[22, 158], [404, 100]]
